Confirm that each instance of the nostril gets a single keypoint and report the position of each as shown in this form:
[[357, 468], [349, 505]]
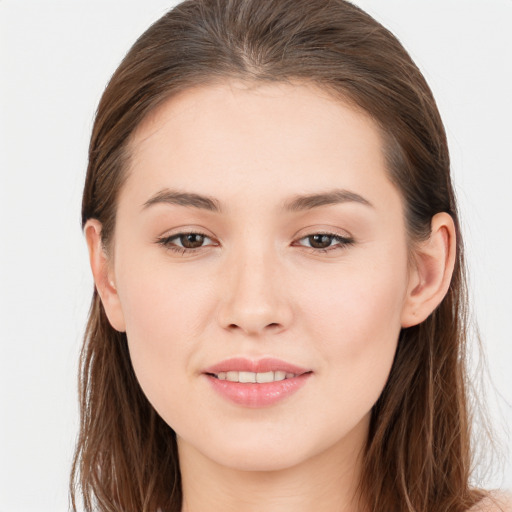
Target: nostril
[[272, 326]]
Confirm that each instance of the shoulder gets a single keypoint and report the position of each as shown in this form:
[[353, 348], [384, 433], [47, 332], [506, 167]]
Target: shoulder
[[495, 501]]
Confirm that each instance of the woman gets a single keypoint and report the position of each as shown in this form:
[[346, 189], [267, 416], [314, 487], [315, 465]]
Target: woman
[[279, 314]]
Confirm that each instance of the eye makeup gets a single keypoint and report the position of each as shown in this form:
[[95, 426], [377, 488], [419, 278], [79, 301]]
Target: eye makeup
[[192, 242]]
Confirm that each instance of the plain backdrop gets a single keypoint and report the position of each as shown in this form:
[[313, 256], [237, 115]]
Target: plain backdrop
[[55, 60]]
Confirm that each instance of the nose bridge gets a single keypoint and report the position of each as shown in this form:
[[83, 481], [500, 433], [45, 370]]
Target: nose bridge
[[253, 298]]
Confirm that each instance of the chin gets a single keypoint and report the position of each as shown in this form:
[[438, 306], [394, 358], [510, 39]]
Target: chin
[[249, 452], [258, 460]]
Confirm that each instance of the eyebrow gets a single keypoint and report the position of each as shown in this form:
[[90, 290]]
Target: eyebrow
[[337, 196], [297, 203], [188, 199]]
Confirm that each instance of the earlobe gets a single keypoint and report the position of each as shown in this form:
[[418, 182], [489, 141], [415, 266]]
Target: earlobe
[[103, 275], [432, 272]]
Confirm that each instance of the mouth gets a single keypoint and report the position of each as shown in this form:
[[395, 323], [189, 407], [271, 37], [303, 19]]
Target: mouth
[[241, 369], [254, 377], [261, 383]]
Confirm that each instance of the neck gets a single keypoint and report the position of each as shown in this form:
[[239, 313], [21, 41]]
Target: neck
[[328, 482]]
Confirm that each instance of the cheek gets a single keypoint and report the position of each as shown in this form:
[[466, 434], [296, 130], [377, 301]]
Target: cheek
[[359, 300], [356, 322], [163, 322]]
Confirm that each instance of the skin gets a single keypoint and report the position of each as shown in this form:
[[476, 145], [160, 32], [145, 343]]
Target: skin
[[256, 288]]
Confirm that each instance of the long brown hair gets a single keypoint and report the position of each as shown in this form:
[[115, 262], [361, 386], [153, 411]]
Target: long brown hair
[[417, 457]]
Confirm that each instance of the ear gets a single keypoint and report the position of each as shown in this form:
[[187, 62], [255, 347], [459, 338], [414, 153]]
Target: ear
[[432, 270], [103, 275]]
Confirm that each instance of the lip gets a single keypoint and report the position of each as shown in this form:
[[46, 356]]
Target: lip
[[268, 364], [255, 395]]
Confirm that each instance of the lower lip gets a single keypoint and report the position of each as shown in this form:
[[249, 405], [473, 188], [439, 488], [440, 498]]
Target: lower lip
[[258, 395]]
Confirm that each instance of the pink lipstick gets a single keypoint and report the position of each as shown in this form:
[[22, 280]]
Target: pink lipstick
[[256, 383]]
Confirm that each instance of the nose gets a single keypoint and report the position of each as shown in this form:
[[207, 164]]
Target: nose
[[254, 299]]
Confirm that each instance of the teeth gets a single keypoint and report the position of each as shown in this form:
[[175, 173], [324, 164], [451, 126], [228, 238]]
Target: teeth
[[246, 377], [265, 377], [251, 377], [279, 375]]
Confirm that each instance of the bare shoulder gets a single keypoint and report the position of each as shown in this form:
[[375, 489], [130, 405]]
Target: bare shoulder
[[496, 501]]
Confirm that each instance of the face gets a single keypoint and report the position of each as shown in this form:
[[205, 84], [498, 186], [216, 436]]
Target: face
[[258, 232]]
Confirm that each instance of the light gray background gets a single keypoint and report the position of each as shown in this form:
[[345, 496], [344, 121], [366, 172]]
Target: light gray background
[[55, 59]]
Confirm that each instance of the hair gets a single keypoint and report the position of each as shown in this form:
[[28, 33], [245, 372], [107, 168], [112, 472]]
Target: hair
[[418, 455]]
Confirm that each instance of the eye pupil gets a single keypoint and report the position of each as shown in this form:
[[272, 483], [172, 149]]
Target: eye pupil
[[192, 240], [320, 241]]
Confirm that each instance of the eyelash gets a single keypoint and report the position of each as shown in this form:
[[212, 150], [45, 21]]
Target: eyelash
[[342, 242]]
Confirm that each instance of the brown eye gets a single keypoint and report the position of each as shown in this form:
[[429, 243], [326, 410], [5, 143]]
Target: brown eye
[[324, 242], [320, 241], [191, 240], [185, 242]]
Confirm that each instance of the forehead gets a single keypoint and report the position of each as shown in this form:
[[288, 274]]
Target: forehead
[[272, 139]]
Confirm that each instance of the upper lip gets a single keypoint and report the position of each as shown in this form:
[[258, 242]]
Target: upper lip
[[268, 364]]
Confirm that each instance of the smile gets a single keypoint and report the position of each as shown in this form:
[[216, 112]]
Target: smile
[[256, 384], [252, 377]]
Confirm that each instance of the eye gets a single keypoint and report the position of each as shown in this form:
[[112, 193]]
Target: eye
[[323, 242], [185, 242]]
